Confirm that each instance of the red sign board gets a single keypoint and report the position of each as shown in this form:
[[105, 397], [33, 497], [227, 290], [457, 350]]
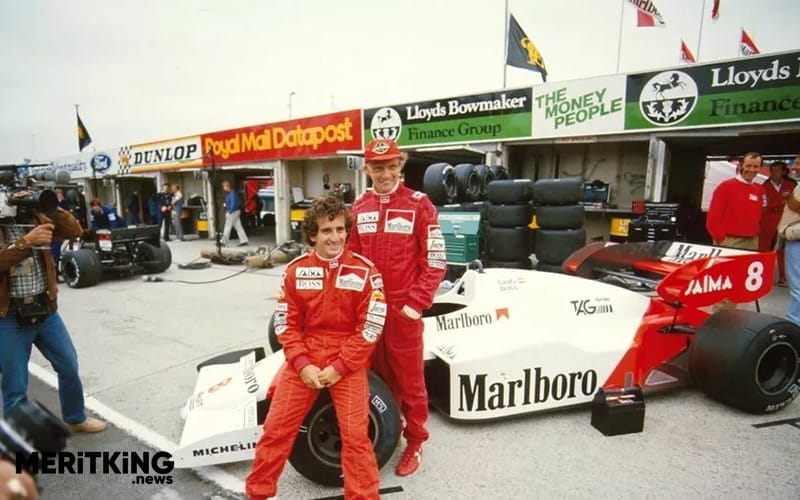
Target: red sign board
[[322, 135]]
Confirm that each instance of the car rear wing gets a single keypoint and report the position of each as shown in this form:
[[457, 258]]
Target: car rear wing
[[138, 233], [647, 266]]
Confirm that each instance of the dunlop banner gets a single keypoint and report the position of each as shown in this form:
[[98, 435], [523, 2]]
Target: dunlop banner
[[322, 135]]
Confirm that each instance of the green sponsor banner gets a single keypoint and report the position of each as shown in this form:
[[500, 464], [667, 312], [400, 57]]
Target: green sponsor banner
[[493, 116], [749, 90]]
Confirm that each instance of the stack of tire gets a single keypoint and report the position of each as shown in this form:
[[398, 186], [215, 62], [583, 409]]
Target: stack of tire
[[560, 219], [509, 239], [446, 184]]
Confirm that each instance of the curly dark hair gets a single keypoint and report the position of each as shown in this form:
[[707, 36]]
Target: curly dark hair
[[329, 206]]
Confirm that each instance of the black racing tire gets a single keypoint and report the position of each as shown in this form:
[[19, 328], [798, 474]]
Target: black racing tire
[[500, 172], [508, 191], [509, 215], [316, 452], [155, 259], [553, 246], [468, 182], [439, 183], [514, 264], [564, 191], [232, 357], [560, 216], [272, 338], [81, 268], [486, 175], [509, 243], [549, 268], [747, 360]]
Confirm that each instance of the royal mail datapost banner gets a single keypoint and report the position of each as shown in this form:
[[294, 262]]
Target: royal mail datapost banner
[[322, 135], [747, 90], [171, 154], [494, 116], [579, 107]]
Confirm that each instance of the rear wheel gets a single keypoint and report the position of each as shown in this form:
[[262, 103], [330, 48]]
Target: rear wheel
[[747, 360], [81, 268], [317, 452], [155, 259]]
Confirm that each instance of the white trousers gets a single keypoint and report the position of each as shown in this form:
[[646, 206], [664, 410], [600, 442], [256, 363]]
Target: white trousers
[[233, 220]]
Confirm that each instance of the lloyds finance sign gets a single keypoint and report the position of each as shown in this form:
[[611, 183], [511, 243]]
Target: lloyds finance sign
[[494, 116], [752, 89]]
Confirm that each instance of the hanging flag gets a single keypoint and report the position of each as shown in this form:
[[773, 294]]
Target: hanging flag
[[522, 53], [647, 14], [715, 10], [747, 47], [686, 53], [84, 139]]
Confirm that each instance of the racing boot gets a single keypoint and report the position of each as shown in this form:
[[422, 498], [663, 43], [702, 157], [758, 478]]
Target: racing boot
[[89, 425], [410, 460]]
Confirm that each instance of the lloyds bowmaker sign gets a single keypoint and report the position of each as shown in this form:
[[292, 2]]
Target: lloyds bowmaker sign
[[492, 116], [753, 89]]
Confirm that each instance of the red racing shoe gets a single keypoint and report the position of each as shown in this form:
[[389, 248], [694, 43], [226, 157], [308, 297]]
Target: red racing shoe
[[410, 460]]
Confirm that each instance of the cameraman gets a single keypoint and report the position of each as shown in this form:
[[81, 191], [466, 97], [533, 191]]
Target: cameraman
[[28, 315], [15, 486]]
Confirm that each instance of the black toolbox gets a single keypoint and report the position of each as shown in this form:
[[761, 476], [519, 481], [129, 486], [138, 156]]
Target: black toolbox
[[618, 411]]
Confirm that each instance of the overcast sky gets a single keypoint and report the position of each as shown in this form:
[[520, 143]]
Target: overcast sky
[[151, 69]]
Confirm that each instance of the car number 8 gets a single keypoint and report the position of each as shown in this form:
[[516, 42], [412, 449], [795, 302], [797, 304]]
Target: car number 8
[[755, 276]]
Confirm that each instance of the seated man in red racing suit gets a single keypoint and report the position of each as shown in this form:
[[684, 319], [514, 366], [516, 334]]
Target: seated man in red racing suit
[[329, 314]]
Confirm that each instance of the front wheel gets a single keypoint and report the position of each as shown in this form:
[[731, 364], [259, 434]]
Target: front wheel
[[317, 451], [747, 360]]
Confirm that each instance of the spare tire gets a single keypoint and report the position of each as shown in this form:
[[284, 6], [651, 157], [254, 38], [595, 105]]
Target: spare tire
[[564, 191], [509, 243], [508, 191], [81, 268], [510, 215], [500, 172], [747, 360], [560, 216], [485, 175], [272, 337], [553, 246], [317, 451], [439, 183], [468, 182]]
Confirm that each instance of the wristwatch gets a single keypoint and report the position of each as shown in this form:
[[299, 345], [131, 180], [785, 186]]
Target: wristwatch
[[18, 245]]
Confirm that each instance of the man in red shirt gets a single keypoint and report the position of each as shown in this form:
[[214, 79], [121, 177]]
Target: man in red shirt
[[734, 215], [397, 228], [328, 318], [777, 190]]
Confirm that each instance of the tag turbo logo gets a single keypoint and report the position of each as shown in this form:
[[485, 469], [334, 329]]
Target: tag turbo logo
[[535, 388], [591, 307], [148, 468]]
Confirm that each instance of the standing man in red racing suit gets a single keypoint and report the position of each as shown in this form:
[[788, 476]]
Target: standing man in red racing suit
[[398, 229], [329, 314]]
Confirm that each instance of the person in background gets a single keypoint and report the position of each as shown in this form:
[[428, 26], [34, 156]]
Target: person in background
[[177, 207], [790, 216], [153, 210], [165, 206], [133, 209], [329, 315], [777, 189], [233, 214], [103, 217], [397, 228]]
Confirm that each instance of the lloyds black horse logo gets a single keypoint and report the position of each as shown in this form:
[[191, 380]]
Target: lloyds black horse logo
[[674, 82]]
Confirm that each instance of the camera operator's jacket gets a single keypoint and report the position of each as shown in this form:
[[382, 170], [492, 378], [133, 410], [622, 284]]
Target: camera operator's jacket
[[14, 252]]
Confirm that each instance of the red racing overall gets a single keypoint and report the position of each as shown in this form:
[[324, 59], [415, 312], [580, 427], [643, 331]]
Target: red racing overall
[[400, 233], [329, 312]]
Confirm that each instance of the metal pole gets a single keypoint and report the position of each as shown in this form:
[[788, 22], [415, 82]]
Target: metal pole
[[619, 41], [700, 37], [506, 21], [290, 104]]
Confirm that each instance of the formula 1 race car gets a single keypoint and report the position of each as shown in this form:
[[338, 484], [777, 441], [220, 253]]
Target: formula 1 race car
[[504, 342]]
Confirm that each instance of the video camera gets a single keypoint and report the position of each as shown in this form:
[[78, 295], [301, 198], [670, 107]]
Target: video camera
[[21, 194], [28, 428]]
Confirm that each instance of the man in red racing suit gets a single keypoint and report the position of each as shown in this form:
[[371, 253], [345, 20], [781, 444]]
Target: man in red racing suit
[[397, 228], [328, 317]]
